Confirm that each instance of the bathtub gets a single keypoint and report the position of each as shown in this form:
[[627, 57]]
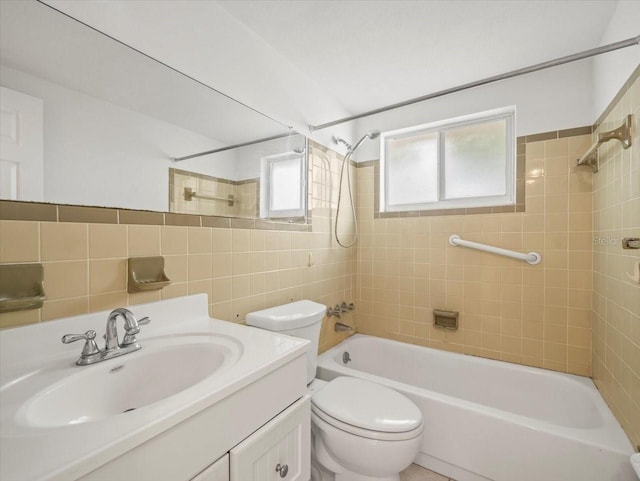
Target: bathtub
[[492, 420]]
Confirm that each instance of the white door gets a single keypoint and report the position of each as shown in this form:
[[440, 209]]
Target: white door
[[21, 146]]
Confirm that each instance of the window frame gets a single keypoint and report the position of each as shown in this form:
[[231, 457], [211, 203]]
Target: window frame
[[266, 166], [440, 128]]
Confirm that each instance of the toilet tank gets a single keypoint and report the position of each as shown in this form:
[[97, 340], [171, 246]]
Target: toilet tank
[[300, 319]]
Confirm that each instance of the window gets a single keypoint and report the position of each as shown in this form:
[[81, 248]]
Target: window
[[282, 183], [457, 163]]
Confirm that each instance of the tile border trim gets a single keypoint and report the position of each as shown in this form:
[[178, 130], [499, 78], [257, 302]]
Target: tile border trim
[[43, 212]]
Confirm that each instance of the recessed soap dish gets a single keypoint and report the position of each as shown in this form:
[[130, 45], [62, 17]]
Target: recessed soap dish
[[21, 287], [445, 319], [146, 274]]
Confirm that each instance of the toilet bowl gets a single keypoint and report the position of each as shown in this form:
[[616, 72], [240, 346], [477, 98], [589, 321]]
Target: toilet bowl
[[361, 431]]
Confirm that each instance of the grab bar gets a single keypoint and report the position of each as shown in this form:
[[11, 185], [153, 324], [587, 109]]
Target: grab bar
[[531, 257], [190, 194]]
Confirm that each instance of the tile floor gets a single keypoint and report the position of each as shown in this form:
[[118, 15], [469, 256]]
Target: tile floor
[[418, 473]]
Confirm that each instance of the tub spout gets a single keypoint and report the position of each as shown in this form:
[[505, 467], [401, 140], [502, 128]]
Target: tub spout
[[340, 327]]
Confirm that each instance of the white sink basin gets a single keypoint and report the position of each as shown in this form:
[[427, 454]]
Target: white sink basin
[[119, 386]]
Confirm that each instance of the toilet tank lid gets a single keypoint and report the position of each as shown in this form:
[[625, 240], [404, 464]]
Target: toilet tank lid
[[287, 316]]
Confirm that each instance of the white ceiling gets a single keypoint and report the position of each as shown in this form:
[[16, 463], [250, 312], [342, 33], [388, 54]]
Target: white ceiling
[[308, 62], [368, 54]]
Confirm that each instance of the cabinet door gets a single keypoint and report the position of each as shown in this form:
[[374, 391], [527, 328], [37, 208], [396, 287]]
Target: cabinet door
[[218, 471], [279, 450]]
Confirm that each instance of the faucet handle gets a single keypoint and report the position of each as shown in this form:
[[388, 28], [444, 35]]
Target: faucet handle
[[130, 335], [90, 346]]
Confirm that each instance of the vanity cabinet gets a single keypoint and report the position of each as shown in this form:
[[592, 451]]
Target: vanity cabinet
[[279, 450], [218, 471]]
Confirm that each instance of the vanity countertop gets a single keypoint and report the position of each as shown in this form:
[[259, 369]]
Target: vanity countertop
[[33, 360]]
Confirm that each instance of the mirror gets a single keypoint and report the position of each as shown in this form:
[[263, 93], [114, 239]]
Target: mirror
[[264, 180], [87, 120]]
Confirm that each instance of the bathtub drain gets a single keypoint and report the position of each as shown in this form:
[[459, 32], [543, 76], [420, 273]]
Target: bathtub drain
[[345, 357]]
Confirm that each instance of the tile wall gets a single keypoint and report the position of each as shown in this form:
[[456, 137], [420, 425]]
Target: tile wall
[[242, 270], [616, 297], [509, 310]]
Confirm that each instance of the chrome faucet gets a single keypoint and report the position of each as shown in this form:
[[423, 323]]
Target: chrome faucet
[[91, 354], [131, 328]]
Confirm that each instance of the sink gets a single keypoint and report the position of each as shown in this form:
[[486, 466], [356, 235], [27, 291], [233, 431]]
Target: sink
[[162, 368], [194, 378]]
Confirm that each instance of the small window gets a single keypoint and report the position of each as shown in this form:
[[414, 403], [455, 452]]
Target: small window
[[281, 186], [457, 163]]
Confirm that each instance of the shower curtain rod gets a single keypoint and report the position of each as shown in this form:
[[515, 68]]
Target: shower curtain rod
[[496, 78], [229, 147]]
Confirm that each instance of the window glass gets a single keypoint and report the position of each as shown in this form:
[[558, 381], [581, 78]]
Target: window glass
[[475, 158], [412, 169], [285, 186]]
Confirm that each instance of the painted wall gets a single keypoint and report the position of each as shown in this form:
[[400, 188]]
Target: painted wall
[[616, 297], [611, 70], [554, 99]]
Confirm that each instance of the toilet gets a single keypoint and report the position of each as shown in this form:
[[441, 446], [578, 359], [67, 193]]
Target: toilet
[[361, 431]]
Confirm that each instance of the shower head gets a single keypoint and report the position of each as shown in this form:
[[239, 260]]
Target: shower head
[[372, 134], [340, 140]]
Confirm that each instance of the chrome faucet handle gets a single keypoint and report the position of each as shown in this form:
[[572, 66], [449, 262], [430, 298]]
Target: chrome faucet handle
[[90, 346], [130, 334]]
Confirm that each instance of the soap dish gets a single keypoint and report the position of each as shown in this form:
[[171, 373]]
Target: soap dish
[[21, 287], [146, 274]]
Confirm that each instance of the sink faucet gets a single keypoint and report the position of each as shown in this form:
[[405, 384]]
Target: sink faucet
[[92, 354], [131, 327]]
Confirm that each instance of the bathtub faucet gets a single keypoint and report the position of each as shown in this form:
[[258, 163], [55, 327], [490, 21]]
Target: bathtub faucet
[[340, 327], [340, 309]]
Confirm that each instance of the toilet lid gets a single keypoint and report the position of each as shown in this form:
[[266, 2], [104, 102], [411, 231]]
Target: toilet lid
[[367, 405]]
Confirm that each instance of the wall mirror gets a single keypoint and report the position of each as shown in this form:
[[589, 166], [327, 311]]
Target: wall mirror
[[87, 120]]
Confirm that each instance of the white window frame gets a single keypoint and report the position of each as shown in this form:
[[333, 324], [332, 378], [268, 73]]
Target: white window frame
[[440, 127], [266, 166]]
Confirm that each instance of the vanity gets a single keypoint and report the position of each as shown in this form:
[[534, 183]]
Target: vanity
[[201, 400]]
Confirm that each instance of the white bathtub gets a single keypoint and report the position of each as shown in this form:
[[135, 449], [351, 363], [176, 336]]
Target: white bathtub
[[494, 420]]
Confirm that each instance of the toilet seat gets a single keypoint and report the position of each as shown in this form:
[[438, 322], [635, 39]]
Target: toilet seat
[[367, 409]]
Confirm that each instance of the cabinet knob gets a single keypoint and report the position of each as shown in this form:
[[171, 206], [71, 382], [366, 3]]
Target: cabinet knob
[[283, 469]]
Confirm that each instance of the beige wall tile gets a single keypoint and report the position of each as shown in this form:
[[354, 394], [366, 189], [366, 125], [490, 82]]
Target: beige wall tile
[[19, 318], [143, 297], [65, 279], [19, 241], [55, 309], [615, 308], [174, 240], [107, 275], [104, 302], [177, 268], [200, 240], [199, 267], [107, 241], [63, 241], [175, 290], [144, 240]]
